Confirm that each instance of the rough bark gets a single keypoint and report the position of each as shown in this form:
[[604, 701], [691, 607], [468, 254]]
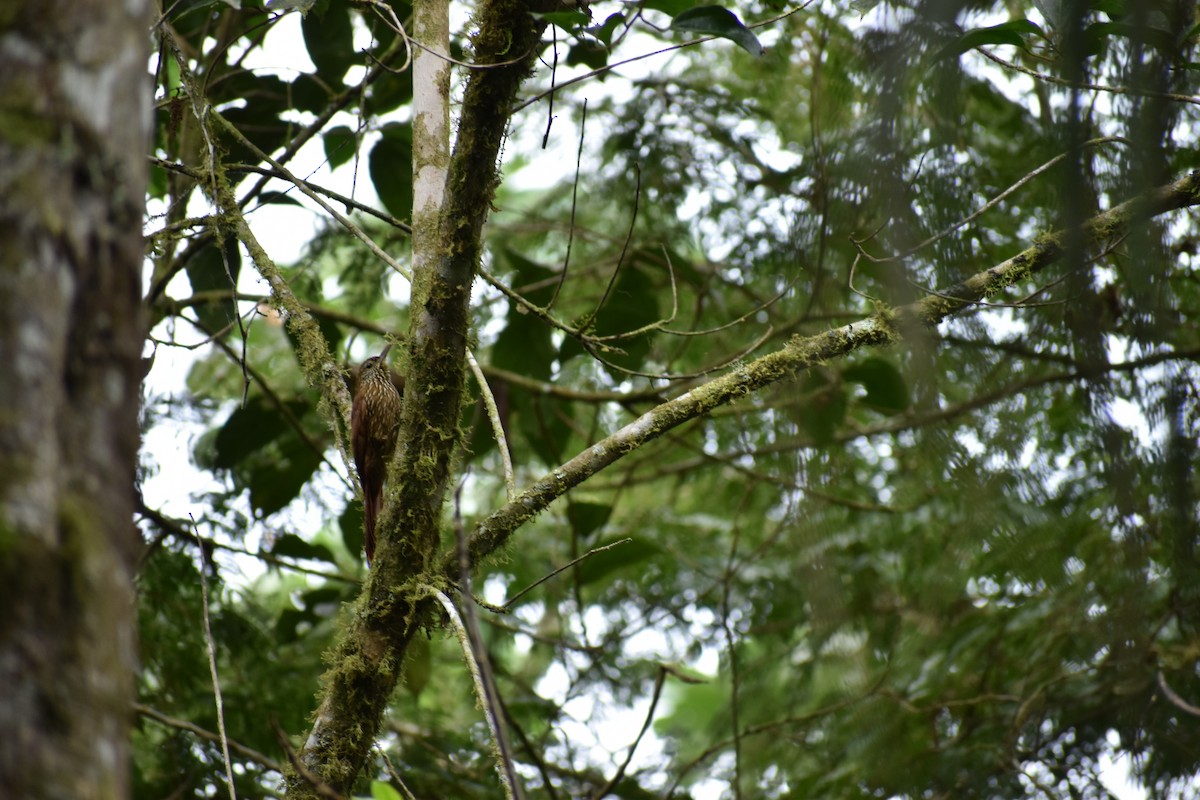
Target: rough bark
[[367, 662], [74, 122]]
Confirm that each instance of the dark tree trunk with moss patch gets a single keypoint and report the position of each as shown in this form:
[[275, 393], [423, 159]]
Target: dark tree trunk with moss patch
[[74, 116]]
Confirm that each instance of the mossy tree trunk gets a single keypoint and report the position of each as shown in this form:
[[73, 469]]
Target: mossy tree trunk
[[72, 183]]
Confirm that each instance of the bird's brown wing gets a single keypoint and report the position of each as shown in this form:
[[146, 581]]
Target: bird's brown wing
[[369, 475]]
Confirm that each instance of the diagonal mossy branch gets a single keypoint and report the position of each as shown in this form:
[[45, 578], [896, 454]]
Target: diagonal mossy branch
[[801, 352]]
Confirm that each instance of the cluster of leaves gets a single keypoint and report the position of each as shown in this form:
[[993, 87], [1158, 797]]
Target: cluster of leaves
[[943, 569]]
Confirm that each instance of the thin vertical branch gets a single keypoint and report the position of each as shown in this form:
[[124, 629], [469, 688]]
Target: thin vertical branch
[[574, 206], [620, 773], [470, 639], [212, 663], [508, 777], [731, 643], [493, 411]]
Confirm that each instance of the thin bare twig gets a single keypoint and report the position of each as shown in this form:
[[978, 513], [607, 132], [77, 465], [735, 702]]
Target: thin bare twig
[[493, 412], [612, 281], [574, 201], [504, 768], [990, 204], [508, 604], [287, 175], [620, 773], [212, 666], [475, 654], [619, 64], [1174, 697], [392, 771], [1094, 87], [242, 750], [322, 788]]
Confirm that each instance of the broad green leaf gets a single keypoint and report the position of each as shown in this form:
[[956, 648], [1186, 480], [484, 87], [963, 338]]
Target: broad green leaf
[[390, 165], [824, 406], [542, 422], [590, 54], [339, 145], [535, 282], [570, 20], [388, 93], [524, 347], [623, 558], [212, 274], [384, 791], [277, 480], [1159, 38], [351, 524], [1013, 32], [249, 429], [631, 306], [418, 666], [586, 518], [280, 199], [604, 32], [292, 546], [329, 38], [718, 21], [887, 391], [672, 7], [309, 93]]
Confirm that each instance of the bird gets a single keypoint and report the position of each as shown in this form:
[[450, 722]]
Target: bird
[[374, 422]]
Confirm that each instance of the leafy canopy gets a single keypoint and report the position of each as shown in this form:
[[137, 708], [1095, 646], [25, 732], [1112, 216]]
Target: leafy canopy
[[960, 566]]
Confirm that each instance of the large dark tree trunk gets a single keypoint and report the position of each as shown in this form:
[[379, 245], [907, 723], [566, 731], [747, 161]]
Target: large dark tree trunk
[[74, 118]]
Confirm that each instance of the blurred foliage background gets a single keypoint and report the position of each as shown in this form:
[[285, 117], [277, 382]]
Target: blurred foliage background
[[961, 567]]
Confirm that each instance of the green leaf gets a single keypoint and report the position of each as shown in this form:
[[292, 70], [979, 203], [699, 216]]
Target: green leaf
[[543, 424], [591, 54], [248, 429], [158, 182], [604, 31], [388, 93], [1012, 32], [209, 272], [525, 346], [567, 20], [887, 391], [279, 199], [586, 518], [717, 21], [632, 305], [384, 791], [390, 165], [288, 622], [864, 6], [309, 93], [1161, 40], [276, 481], [527, 273], [822, 414], [672, 7], [616, 559], [339, 145], [351, 525], [418, 666], [329, 37], [292, 546]]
